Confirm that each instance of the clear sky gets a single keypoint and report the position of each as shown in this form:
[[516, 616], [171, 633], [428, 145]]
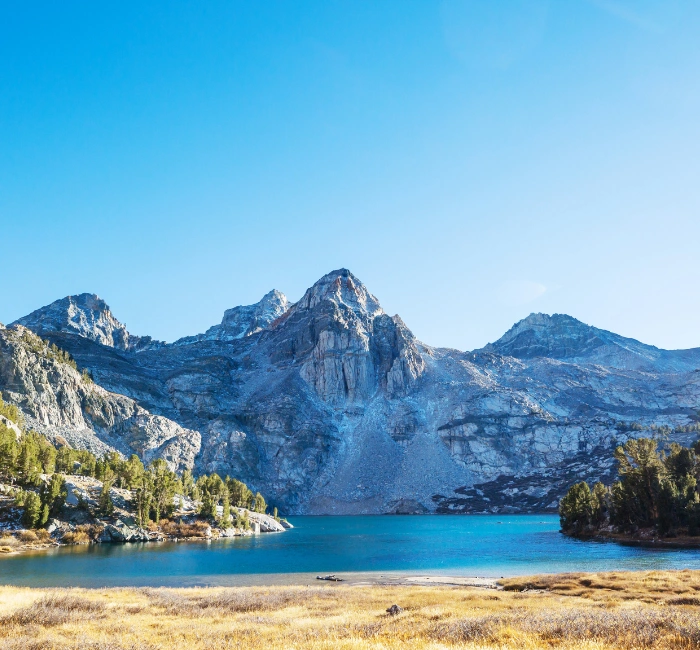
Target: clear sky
[[470, 161]]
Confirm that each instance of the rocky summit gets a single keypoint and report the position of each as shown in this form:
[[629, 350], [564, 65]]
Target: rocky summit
[[331, 406]]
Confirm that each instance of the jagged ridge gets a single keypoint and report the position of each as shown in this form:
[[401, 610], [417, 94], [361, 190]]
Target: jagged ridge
[[332, 406]]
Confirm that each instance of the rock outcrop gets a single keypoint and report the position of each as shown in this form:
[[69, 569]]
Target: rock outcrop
[[330, 405], [239, 322], [87, 316], [67, 406]]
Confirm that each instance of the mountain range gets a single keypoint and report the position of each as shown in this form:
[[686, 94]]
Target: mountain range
[[331, 406]]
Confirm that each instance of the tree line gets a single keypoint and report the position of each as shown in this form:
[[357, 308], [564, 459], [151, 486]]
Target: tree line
[[26, 461], [656, 488]]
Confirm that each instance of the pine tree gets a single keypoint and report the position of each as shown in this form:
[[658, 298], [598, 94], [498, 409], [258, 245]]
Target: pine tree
[[226, 509], [105, 505], [239, 493], [259, 504], [32, 510], [143, 501], [576, 508], [44, 516], [187, 483], [54, 493], [163, 489]]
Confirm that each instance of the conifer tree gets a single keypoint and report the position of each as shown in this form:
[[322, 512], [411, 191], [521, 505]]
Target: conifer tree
[[53, 494], [259, 504], [32, 510], [105, 505]]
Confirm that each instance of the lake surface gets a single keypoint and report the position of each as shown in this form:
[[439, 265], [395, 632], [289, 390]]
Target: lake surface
[[479, 545]]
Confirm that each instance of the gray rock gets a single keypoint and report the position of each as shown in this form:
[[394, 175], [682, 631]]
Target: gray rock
[[11, 425], [562, 337], [265, 523], [331, 406], [61, 403], [239, 322], [121, 532], [406, 507], [53, 526]]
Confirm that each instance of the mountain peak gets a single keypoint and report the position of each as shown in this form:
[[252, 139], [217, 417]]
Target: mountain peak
[[342, 288], [547, 322], [556, 336], [244, 320], [85, 314], [563, 337]]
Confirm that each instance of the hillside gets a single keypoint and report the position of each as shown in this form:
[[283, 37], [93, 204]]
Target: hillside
[[330, 405]]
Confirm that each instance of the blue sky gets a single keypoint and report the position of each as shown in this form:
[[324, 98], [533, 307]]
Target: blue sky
[[470, 161]]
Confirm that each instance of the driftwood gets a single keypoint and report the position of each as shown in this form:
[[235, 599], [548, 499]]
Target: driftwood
[[332, 578]]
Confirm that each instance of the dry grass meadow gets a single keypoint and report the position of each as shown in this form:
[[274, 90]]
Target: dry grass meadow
[[615, 610]]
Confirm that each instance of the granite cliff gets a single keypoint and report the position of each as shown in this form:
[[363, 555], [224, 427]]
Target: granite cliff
[[68, 407], [330, 405]]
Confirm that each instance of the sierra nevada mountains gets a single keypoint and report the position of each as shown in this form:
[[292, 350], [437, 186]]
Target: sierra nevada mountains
[[330, 405]]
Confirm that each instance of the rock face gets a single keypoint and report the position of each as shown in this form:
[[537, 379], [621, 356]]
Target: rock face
[[330, 405], [89, 317], [562, 337], [244, 321], [66, 405], [86, 315]]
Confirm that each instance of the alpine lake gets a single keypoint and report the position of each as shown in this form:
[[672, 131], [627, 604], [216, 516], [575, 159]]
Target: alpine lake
[[441, 545]]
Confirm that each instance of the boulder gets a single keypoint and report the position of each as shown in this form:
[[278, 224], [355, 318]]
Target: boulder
[[121, 532]]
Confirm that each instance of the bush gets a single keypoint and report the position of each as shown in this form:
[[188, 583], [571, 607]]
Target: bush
[[28, 536], [40, 535], [76, 537], [182, 530], [8, 541], [11, 412], [241, 521]]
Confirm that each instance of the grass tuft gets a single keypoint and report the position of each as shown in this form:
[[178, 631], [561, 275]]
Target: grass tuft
[[54, 609], [76, 537]]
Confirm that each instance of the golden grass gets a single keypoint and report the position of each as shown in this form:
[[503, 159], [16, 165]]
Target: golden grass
[[76, 537], [593, 611], [183, 531], [669, 587]]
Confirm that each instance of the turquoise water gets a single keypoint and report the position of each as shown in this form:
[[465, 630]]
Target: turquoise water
[[480, 545]]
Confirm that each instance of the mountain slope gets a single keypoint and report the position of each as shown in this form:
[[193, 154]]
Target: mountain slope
[[562, 337], [332, 406], [68, 406]]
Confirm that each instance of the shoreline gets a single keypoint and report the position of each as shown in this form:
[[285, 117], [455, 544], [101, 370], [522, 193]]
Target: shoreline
[[365, 579], [39, 546], [682, 542], [291, 580]]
